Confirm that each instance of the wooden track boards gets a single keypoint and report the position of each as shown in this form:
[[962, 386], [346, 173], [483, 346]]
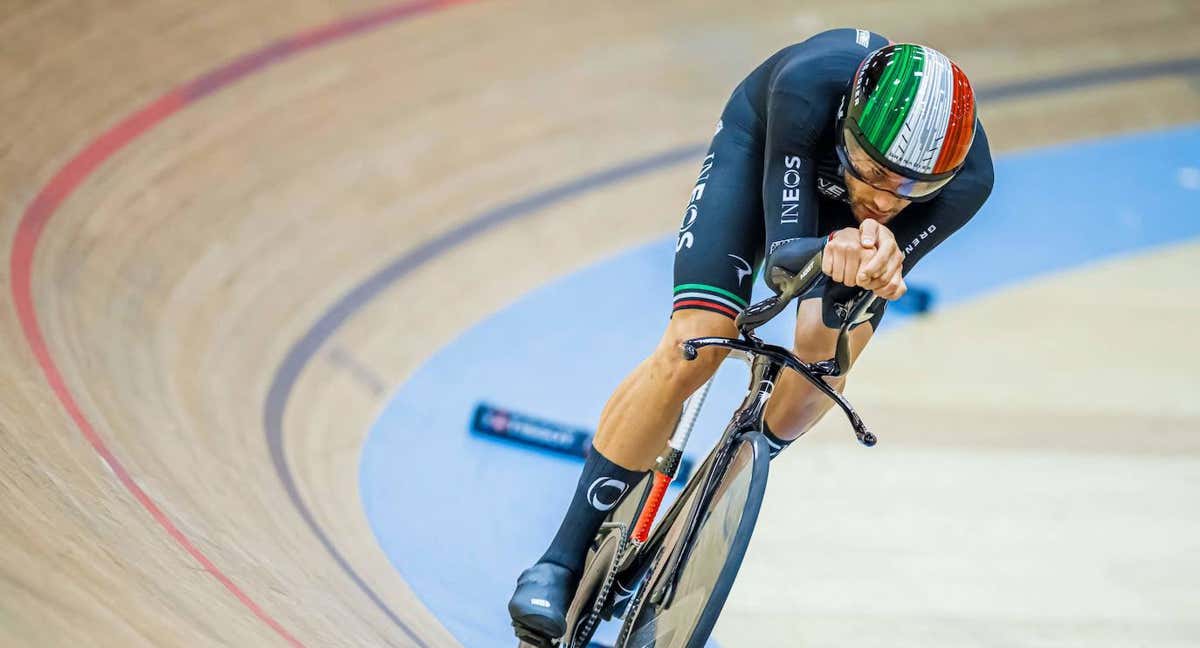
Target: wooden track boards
[[173, 281]]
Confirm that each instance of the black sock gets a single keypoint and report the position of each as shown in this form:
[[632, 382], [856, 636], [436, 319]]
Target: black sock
[[776, 444], [601, 487]]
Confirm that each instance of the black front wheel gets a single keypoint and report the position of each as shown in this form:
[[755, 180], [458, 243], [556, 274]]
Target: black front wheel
[[685, 617]]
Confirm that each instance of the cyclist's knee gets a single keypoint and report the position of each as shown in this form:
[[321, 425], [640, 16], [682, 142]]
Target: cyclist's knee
[[814, 340], [797, 405], [685, 376]]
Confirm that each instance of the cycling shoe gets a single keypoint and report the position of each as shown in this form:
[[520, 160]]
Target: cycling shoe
[[539, 605]]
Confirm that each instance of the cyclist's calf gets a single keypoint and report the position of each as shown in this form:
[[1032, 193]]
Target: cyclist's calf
[[640, 415]]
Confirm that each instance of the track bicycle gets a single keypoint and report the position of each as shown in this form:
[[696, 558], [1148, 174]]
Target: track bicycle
[[669, 581]]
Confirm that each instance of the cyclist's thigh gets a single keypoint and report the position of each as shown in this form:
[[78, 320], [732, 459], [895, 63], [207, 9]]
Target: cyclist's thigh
[[721, 238]]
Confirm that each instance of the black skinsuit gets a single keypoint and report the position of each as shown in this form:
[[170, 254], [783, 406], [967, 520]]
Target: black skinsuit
[[772, 175]]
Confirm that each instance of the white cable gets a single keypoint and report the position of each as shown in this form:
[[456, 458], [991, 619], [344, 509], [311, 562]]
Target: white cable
[[691, 411]]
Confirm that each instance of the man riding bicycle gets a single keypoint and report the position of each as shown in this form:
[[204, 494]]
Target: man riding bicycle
[[845, 142]]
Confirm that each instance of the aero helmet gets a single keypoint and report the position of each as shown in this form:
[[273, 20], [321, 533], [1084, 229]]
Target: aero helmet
[[912, 111]]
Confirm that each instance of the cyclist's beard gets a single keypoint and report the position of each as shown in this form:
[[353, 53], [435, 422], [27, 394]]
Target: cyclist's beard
[[861, 204], [862, 212]]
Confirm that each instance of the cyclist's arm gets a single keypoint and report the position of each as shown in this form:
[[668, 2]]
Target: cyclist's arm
[[789, 194], [928, 224]]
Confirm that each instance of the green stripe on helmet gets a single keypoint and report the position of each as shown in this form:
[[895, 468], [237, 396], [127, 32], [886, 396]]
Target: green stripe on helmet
[[887, 108]]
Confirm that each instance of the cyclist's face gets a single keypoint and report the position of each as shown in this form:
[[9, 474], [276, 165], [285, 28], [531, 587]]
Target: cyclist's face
[[872, 200]]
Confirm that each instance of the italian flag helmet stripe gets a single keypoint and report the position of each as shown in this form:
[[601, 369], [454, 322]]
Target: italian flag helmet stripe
[[960, 131], [888, 106], [914, 110], [921, 132]]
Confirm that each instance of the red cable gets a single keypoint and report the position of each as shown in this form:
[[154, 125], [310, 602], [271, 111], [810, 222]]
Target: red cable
[[650, 511]]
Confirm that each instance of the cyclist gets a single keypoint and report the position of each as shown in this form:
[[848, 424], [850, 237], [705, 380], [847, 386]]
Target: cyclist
[[845, 142]]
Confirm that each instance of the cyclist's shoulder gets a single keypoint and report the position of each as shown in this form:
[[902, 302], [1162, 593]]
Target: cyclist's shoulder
[[977, 174], [969, 189], [824, 61]]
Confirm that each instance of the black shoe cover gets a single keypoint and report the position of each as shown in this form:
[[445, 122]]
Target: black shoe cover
[[539, 605]]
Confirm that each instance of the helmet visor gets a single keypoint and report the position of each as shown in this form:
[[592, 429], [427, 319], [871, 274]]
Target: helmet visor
[[859, 163]]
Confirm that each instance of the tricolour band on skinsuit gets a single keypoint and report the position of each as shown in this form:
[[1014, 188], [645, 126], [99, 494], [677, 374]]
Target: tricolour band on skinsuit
[[710, 298], [719, 246]]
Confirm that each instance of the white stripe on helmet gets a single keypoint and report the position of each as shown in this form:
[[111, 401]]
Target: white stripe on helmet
[[920, 139]]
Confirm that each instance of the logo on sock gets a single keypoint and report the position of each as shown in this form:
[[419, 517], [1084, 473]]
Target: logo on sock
[[605, 492]]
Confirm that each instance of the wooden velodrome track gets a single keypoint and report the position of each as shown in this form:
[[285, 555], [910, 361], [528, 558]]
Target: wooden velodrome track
[[171, 240]]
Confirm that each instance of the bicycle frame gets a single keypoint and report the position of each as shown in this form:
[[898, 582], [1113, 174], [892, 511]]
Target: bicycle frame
[[767, 361]]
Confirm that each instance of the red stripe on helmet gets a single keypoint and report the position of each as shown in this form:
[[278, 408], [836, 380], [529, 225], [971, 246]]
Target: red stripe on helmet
[[960, 130]]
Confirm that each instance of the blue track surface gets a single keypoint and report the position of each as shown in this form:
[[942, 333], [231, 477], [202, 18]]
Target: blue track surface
[[460, 515]]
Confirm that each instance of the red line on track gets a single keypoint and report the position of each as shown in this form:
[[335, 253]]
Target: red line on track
[[80, 167]]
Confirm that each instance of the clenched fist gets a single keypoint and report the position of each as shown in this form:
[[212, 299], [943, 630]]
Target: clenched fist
[[867, 257]]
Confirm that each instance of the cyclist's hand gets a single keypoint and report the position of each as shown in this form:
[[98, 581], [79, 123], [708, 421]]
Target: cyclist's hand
[[883, 272], [845, 254]]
